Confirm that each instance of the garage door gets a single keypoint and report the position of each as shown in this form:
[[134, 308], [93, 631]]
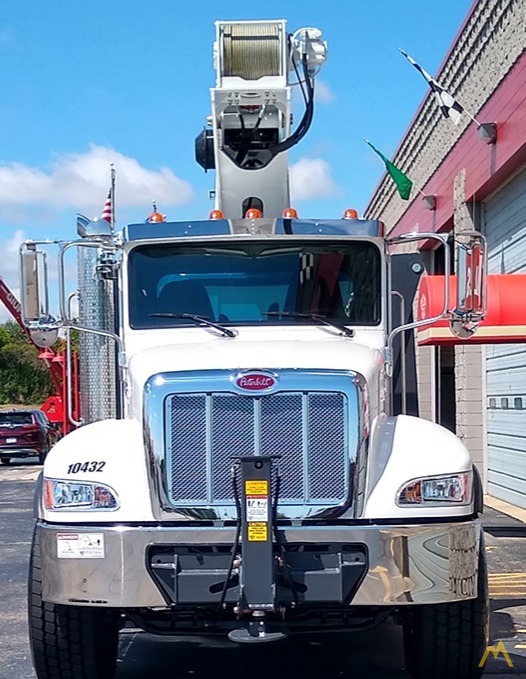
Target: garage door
[[505, 229]]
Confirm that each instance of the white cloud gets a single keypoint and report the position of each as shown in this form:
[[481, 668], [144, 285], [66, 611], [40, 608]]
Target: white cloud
[[9, 248], [10, 268], [323, 93], [81, 180], [311, 178]]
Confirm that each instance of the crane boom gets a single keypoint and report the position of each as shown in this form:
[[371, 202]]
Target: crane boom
[[249, 130]]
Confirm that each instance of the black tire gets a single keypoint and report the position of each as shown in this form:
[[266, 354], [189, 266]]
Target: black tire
[[43, 453], [69, 642], [6, 460], [447, 641]]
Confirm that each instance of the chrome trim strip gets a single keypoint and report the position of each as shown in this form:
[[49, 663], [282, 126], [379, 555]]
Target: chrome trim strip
[[19, 450], [408, 564], [304, 443], [208, 417], [379, 453], [158, 389], [257, 423], [362, 454]]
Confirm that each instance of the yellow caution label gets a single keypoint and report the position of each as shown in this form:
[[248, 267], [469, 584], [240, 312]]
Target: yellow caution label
[[257, 531], [256, 487]]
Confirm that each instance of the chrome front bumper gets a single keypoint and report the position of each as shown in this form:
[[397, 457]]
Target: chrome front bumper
[[407, 564]]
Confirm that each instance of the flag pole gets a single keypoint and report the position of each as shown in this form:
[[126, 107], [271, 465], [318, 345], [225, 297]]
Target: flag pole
[[470, 116], [112, 225]]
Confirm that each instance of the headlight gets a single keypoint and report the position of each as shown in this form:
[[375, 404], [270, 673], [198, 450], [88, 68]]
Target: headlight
[[455, 489], [78, 495]]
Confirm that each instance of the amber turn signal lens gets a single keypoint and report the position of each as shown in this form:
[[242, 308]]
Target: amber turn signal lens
[[156, 217], [290, 213]]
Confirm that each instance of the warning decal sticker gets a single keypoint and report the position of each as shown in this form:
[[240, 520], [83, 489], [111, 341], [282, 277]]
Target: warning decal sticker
[[257, 531], [80, 545], [256, 487], [257, 509]]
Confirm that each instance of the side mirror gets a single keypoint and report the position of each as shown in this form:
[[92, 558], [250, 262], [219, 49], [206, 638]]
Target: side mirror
[[34, 284], [35, 298], [470, 308], [93, 228]]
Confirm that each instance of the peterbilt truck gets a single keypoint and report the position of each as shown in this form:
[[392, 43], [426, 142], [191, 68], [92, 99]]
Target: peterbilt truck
[[249, 460]]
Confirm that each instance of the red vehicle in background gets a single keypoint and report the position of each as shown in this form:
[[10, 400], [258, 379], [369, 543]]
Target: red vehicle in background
[[25, 433]]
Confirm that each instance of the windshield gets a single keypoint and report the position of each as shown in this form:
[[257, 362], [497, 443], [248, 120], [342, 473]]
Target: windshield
[[16, 418], [251, 283]]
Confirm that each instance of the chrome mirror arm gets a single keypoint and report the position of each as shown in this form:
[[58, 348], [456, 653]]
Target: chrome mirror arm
[[408, 238]]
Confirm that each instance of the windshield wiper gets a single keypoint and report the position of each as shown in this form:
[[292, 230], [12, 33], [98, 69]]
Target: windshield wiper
[[202, 320], [347, 332]]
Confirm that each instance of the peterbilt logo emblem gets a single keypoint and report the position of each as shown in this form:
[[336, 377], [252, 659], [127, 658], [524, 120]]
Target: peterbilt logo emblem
[[255, 382]]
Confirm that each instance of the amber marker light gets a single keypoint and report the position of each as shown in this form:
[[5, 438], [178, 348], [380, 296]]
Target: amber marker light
[[216, 214], [48, 494], [290, 213], [253, 213], [156, 217], [350, 213]]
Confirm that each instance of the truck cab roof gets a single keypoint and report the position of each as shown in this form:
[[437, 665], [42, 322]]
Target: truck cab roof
[[369, 228]]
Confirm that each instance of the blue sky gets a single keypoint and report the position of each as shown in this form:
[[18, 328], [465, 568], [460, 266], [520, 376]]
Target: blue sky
[[87, 83]]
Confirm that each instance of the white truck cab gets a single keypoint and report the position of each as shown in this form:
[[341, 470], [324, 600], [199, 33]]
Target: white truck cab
[[243, 463]]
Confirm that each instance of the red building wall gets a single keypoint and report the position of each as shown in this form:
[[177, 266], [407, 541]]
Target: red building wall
[[486, 165]]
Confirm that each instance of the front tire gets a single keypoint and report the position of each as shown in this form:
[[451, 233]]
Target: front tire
[[69, 642], [447, 641], [6, 460]]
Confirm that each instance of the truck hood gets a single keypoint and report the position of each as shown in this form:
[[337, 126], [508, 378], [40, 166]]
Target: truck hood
[[305, 349]]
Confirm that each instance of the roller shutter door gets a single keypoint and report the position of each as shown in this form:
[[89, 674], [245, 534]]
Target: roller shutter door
[[505, 229]]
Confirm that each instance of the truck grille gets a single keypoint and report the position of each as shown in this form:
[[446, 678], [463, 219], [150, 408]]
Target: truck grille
[[307, 430]]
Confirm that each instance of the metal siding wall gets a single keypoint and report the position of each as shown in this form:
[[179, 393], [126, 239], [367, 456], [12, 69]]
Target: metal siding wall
[[505, 227]]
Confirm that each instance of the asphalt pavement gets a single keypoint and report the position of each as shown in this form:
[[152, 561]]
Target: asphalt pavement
[[376, 654]]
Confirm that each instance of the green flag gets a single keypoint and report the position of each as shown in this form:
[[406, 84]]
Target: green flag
[[403, 183]]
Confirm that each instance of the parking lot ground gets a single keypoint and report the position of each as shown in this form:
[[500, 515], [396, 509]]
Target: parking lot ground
[[505, 539], [16, 525], [376, 654]]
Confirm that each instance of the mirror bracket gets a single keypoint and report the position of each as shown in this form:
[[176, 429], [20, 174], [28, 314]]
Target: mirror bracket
[[107, 268]]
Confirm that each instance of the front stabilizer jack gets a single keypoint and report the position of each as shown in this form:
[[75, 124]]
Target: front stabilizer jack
[[257, 572], [255, 632]]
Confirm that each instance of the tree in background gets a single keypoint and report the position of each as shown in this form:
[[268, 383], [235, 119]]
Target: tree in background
[[24, 377]]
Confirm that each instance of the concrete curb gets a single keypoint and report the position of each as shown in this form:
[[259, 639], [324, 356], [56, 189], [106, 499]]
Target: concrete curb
[[505, 508]]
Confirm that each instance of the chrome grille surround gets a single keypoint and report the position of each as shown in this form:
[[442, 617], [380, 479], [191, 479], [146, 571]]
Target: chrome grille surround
[[195, 422]]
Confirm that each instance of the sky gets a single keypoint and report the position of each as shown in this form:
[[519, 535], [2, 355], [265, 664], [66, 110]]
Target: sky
[[86, 84]]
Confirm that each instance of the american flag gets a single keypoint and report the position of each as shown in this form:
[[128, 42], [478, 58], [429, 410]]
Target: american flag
[[107, 210], [447, 103]]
